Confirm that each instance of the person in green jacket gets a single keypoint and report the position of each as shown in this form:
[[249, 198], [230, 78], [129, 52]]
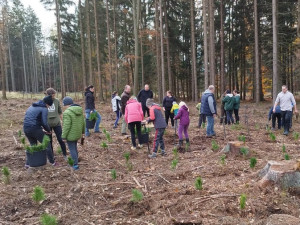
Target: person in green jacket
[[54, 116], [73, 127], [236, 105], [228, 106]]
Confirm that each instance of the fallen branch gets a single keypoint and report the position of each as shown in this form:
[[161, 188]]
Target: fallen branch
[[206, 198], [164, 179], [137, 182], [16, 142], [116, 183]]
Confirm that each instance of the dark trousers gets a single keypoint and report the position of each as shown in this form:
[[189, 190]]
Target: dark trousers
[[35, 135], [58, 132], [159, 140], [278, 117], [145, 109], [170, 115], [236, 115], [202, 119], [132, 127], [229, 117], [223, 115], [286, 119]]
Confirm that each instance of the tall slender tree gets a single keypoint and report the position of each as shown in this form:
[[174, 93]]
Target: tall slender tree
[[194, 59], [212, 41], [275, 48], [256, 53], [205, 44]]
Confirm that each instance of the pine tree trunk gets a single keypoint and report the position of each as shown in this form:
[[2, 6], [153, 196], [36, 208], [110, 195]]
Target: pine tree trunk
[[24, 65], [205, 44], [222, 71], [83, 72], [275, 49], [194, 59], [109, 48], [212, 41], [170, 77], [158, 61], [136, 20], [162, 47], [256, 53], [89, 45], [116, 47], [11, 65]]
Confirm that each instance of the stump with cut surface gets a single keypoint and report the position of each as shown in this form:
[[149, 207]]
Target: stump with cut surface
[[285, 174], [234, 148], [282, 219]]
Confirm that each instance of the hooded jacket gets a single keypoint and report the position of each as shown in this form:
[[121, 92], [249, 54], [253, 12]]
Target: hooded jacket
[[133, 111], [124, 98], [229, 101], [237, 98], [53, 113], [175, 109], [183, 115], [36, 116], [115, 103], [157, 117], [168, 102], [73, 123], [144, 95], [89, 100]]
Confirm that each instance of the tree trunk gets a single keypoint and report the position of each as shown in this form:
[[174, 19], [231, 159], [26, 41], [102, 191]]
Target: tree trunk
[[205, 45], [158, 61], [116, 48], [212, 41], [162, 48], [82, 46], [24, 65], [109, 48], [170, 77], [194, 59], [11, 64], [136, 20], [275, 49], [256, 50], [222, 71], [89, 46]]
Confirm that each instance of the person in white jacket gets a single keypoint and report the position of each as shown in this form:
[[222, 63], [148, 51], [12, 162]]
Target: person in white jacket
[[115, 102]]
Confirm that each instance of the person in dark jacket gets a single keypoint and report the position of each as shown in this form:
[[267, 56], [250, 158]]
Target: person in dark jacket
[[90, 108], [160, 125], [229, 102], [124, 98], [167, 106], [236, 106], [223, 117], [209, 108], [184, 116], [54, 116], [35, 125], [274, 116], [143, 96]]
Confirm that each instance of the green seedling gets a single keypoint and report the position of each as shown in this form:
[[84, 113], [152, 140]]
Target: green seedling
[[244, 151], [23, 141], [93, 116], [175, 153], [104, 145], [6, 175], [127, 156], [203, 125], [272, 136], [268, 129], [296, 136], [108, 136], [104, 131], [236, 126], [286, 157], [47, 219], [70, 161], [59, 150], [214, 145], [283, 148], [113, 174], [137, 196], [187, 147], [174, 164], [40, 147], [223, 159], [38, 194], [253, 162], [198, 183], [19, 133], [243, 200], [242, 138]]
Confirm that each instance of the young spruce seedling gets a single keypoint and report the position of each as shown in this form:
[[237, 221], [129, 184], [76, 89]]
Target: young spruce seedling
[[286, 156], [137, 196], [244, 151], [272, 136], [198, 183], [174, 164], [214, 145], [113, 174], [253, 162], [283, 148], [296, 136], [104, 145], [70, 161], [243, 200], [6, 175], [223, 159], [242, 138], [38, 194], [47, 219]]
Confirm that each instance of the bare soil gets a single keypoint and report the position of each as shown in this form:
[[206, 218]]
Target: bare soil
[[91, 196]]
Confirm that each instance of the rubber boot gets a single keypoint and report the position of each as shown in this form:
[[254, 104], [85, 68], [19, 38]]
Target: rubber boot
[[187, 144]]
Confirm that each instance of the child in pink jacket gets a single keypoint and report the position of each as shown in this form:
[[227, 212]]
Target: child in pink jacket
[[133, 117]]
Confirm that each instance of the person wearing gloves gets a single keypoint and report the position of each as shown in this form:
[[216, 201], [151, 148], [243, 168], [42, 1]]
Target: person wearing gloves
[[167, 106], [160, 125], [184, 116], [236, 106], [274, 116], [35, 125], [228, 106], [90, 108], [73, 127], [134, 117], [115, 102]]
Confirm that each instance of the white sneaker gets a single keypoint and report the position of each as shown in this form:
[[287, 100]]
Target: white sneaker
[[140, 146], [133, 148]]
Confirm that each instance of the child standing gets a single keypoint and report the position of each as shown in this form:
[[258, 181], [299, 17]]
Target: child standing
[[115, 102], [183, 115], [174, 110], [274, 116], [167, 106], [228, 106], [202, 117], [160, 125], [73, 127], [236, 106]]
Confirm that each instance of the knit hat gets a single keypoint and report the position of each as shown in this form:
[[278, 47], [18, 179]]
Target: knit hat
[[48, 100], [183, 104], [174, 103], [149, 102], [50, 91], [67, 101]]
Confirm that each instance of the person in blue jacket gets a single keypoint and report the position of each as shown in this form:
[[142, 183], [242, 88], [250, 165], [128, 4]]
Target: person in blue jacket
[[35, 125], [274, 116]]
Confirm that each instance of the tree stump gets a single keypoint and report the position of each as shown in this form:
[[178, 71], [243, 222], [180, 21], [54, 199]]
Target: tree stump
[[282, 219], [285, 174], [234, 148]]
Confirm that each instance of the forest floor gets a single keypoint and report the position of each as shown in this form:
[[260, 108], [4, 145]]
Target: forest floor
[[91, 196]]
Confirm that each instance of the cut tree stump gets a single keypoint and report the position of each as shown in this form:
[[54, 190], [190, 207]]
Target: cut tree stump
[[282, 219], [234, 148], [285, 174]]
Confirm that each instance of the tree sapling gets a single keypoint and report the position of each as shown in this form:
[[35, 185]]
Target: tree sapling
[[286, 156], [70, 161], [214, 145], [47, 219], [38, 194], [6, 175], [127, 156], [23, 141], [137, 195], [242, 138], [253, 162], [244, 151], [272, 136], [175, 153], [199, 183], [59, 150], [93, 116], [113, 174], [19, 133], [296, 136], [283, 148], [223, 159], [174, 164], [243, 199], [104, 145], [108, 136]]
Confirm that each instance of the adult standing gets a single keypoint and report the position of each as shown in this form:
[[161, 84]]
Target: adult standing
[[54, 116], [116, 106], [229, 101], [124, 98], [36, 125], [143, 96], [90, 108], [209, 108], [236, 106], [167, 106], [286, 101]]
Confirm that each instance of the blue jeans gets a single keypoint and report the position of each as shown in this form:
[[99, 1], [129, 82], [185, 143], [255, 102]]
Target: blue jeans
[[35, 135], [229, 116], [159, 140], [119, 114], [87, 115], [210, 126], [73, 151]]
